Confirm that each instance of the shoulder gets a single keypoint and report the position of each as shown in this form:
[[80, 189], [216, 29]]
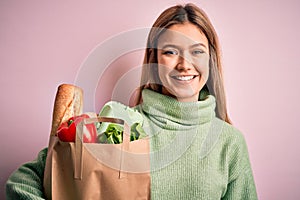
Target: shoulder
[[231, 143], [231, 136], [223, 138], [234, 149]]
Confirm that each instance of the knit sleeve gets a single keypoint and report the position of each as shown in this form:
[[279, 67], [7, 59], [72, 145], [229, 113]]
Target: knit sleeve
[[241, 184], [27, 181]]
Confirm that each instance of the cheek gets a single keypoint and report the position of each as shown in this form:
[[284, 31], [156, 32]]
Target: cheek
[[202, 65], [165, 66], [169, 62], [163, 71], [204, 71]]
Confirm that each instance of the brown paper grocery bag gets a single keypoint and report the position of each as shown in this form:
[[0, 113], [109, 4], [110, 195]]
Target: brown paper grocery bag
[[97, 171]]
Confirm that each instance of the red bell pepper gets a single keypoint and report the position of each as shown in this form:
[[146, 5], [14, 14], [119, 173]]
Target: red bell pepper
[[67, 130]]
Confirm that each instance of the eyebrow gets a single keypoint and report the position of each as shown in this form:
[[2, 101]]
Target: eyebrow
[[178, 47]]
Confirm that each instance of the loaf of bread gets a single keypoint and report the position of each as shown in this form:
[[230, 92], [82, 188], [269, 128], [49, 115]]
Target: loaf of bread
[[68, 103]]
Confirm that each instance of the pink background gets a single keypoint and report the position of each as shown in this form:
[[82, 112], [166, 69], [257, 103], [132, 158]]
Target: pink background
[[44, 43]]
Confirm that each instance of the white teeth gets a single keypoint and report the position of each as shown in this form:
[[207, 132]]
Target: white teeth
[[184, 78]]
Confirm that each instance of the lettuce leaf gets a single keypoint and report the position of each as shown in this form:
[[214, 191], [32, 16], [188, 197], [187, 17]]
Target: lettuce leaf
[[114, 133]]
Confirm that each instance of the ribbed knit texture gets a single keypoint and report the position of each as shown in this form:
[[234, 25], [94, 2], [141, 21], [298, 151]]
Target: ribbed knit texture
[[27, 181], [194, 155]]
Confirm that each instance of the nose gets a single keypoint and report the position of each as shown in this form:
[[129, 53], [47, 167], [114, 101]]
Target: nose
[[184, 62]]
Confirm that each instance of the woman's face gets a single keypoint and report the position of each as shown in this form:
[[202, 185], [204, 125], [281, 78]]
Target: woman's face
[[183, 61]]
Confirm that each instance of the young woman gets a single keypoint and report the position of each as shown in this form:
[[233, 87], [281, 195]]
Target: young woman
[[195, 151]]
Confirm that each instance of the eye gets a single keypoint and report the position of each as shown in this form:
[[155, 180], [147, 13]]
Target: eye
[[170, 52], [198, 51]]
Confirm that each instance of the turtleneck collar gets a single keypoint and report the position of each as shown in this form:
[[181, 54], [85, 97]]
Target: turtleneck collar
[[169, 113]]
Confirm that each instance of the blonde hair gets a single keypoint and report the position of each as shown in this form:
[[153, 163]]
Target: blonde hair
[[180, 14]]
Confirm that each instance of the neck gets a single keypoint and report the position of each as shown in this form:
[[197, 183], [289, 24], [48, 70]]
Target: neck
[[192, 98], [167, 111]]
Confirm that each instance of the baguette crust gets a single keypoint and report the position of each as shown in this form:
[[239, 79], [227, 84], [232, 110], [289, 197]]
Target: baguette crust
[[68, 103]]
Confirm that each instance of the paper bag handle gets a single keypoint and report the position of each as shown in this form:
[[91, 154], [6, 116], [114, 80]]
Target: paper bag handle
[[78, 168]]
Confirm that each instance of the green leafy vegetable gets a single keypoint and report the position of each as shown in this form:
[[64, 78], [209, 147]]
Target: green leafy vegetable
[[137, 132], [114, 133]]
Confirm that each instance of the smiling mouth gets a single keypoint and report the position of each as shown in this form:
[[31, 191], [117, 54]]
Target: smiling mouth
[[184, 78]]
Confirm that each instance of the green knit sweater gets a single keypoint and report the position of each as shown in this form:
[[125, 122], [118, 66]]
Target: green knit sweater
[[194, 155]]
